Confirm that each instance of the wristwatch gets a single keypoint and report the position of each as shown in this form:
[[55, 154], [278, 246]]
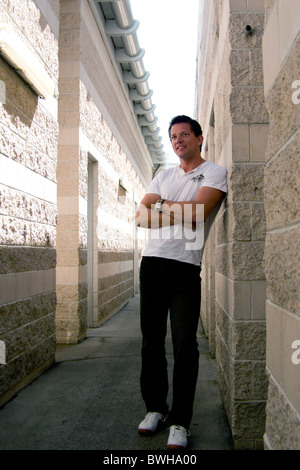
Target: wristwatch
[[158, 205]]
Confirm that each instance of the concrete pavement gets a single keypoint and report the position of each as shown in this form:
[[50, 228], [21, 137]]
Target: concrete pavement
[[90, 399]]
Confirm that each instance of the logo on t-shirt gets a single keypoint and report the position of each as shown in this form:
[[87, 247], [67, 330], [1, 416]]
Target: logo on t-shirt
[[198, 178]]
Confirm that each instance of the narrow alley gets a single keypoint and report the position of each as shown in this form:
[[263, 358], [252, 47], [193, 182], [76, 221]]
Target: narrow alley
[[90, 398]]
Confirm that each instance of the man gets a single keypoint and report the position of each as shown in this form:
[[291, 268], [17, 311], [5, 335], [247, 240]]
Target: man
[[179, 208]]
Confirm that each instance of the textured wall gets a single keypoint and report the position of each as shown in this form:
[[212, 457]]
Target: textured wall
[[282, 252], [28, 157], [232, 112], [96, 275], [72, 170]]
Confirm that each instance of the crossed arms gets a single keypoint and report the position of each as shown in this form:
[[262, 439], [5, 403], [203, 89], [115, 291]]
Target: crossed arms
[[186, 213]]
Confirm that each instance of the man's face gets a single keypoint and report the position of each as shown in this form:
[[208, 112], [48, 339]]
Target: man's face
[[184, 142]]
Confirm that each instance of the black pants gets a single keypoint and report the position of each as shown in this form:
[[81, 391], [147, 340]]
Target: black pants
[[168, 285]]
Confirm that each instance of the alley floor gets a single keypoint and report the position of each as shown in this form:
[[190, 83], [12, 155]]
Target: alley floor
[[90, 398]]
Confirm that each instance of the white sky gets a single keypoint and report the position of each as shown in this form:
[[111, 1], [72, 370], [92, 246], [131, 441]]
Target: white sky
[[168, 32]]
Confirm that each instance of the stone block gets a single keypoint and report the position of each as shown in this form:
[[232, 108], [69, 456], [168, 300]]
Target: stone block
[[258, 300], [41, 235], [237, 36], [260, 381], [68, 331], [256, 6], [258, 220], [246, 182], [256, 70], [67, 257], [250, 380], [240, 67], [281, 417], [67, 275], [37, 283], [234, 224], [241, 261], [248, 341], [245, 340], [22, 285], [258, 142], [238, 5], [14, 231], [240, 143], [247, 105], [248, 424], [15, 259], [25, 311], [68, 118], [234, 297], [24, 368], [70, 19], [68, 222], [240, 221], [284, 113], [242, 382], [26, 337], [282, 357], [282, 185], [282, 267], [7, 288]]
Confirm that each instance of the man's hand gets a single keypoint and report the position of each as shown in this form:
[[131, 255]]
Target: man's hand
[[147, 217], [186, 213]]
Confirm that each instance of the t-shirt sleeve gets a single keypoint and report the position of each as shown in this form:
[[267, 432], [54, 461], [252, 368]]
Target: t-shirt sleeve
[[154, 186], [216, 178]]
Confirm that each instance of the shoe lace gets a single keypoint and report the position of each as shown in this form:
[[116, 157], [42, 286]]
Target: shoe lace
[[178, 431]]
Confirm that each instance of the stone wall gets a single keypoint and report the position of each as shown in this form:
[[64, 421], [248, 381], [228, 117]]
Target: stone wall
[[281, 47], [28, 212], [103, 168], [73, 168], [232, 112]]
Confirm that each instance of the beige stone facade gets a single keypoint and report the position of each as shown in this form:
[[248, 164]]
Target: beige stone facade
[[73, 166], [251, 263], [95, 174], [282, 250], [28, 158], [75, 160]]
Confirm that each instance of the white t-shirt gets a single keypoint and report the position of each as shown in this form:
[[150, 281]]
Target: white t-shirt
[[177, 242]]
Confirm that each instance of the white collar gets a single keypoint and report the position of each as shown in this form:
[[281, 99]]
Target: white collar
[[182, 172]]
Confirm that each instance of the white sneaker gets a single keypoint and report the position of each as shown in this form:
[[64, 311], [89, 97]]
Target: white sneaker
[[178, 437], [150, 423]]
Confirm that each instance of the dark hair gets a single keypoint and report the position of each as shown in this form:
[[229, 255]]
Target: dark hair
[[195, 126]]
